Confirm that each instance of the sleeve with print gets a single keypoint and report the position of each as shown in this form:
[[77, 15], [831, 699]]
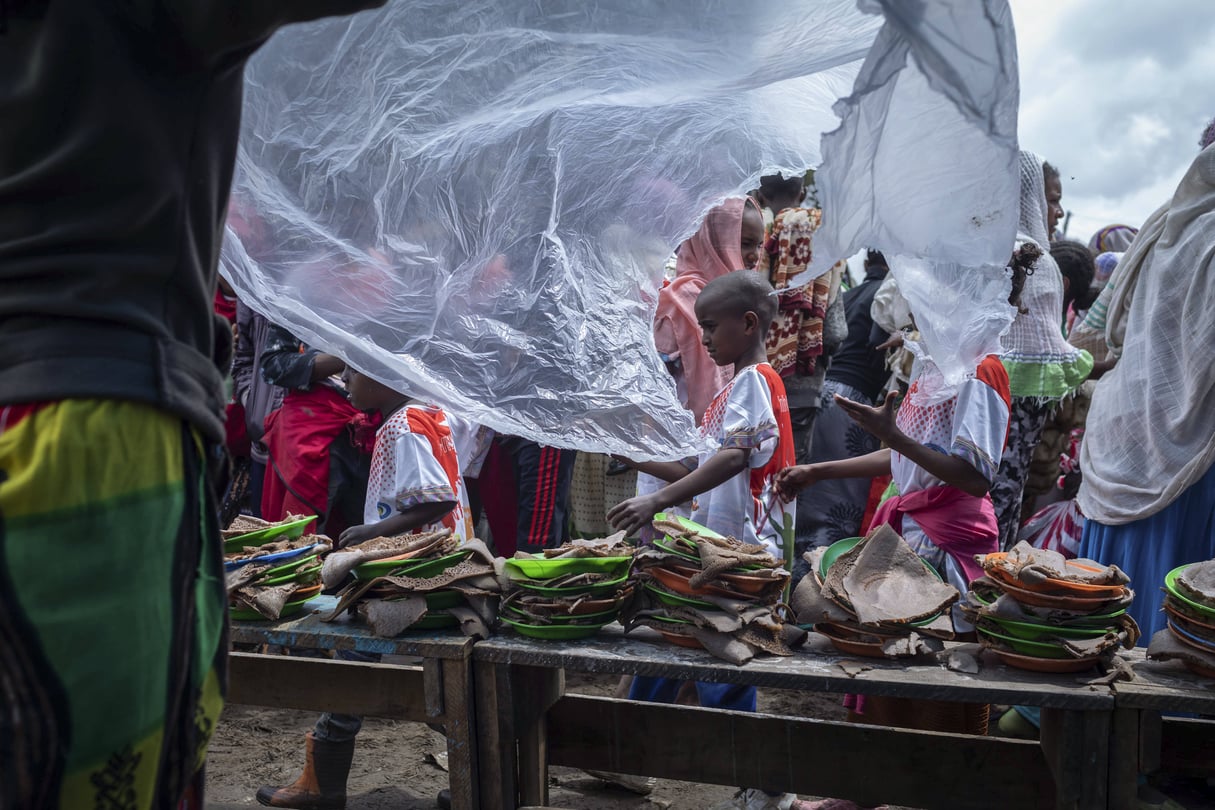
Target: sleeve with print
[[750, 421], [980, 425], [412, 476]]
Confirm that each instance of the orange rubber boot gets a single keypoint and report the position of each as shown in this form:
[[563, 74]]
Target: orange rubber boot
[[322, 785]]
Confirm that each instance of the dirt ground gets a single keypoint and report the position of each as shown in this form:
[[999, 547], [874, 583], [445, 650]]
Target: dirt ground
[[395, 764]]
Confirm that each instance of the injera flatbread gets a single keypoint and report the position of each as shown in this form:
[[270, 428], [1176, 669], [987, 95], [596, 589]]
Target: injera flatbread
[[885, 581]]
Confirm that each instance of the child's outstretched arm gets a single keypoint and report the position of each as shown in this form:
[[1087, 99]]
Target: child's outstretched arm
[[793, 480], [955, 471], [412, 518], [635, 513]]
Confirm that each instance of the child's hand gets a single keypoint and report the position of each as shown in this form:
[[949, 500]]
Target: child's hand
[[635, 513], [878, 421], [355, 535], [793, 480]]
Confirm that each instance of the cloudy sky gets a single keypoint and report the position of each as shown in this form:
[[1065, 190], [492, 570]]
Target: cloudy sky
[[1115, 93]]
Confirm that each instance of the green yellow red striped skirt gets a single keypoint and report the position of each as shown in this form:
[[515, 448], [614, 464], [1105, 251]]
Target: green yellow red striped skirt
[[112, 622]]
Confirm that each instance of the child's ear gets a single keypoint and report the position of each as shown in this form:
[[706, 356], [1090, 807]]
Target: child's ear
[[750, 322]]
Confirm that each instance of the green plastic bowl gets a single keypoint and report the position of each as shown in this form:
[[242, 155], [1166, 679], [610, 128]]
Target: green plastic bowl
[[663, 545], [1170, 584], [598, 589], [1035, 649], [292, 566], [601, 618], [541, 569], [690, 525], [312, 572], [841, 547], [437, 620], [1032, 631], [417, 569], [555, 632], [290, 609], [262, 536], [678, 600]]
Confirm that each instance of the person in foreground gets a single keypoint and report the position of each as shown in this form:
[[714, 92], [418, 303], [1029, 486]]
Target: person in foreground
[[415, 487], [733, 483], [1148, 457], [116, 157]]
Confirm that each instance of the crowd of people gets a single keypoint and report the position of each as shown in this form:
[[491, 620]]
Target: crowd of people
[[1086, 428]]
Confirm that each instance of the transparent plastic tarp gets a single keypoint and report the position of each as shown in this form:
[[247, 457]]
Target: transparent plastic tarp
[[473, 201]]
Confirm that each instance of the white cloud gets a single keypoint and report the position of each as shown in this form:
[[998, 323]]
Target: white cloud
[[1115, 93]]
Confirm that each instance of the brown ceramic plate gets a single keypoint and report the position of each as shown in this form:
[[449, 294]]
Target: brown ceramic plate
[[847, 641], [1078, 604], [306, 593], [1060, 587], [1187, 618], [1032, 664], [690, 642], [677, 579]]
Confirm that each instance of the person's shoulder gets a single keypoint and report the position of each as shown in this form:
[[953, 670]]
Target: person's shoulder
[[991, 372]]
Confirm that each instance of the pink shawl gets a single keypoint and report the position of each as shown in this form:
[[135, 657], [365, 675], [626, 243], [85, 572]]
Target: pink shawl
[[961, 525], [714, 250]]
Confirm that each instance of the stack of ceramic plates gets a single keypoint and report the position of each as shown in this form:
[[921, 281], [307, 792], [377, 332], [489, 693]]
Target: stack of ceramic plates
[[1190, 605], [873, 640], [564, 598], [1050, 624], [272, 562], [438, 601], [671, 602]]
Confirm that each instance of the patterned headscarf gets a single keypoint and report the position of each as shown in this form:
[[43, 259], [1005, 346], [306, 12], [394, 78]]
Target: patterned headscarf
[[1112, 239], [795, 340]]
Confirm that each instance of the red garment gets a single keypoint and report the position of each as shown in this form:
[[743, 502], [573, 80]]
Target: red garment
[[714, 250], [225, 307], [236, 432], [959, 524], [298, 436], [499, 499]]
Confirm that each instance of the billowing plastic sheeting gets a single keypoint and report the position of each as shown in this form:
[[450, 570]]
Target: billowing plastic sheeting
[[931, 182], [473, 201]]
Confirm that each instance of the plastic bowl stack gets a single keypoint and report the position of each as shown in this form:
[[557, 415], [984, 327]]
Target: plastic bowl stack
[[272, 569], [1190, 604], [874, 597], [571, 592], [422, 568], [1038, 611], [696, 584]]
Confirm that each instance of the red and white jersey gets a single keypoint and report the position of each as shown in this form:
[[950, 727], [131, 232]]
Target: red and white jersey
[[415, 462], [751, 413]]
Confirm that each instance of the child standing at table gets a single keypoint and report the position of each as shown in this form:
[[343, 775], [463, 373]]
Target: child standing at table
[[733, 485], [415, 486]]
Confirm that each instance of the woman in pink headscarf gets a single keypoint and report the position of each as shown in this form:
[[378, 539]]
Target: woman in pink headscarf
[[729, 238]]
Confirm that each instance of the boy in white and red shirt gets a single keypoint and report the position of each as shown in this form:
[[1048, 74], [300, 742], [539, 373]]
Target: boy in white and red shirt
[[415, 483]]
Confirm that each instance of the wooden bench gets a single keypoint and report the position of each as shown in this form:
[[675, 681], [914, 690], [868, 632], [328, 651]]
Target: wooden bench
[[1146, 742], [438, 692], [525, 722]]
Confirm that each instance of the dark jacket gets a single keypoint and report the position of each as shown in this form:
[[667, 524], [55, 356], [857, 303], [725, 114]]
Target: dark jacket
[[117, 146], [858, 363]]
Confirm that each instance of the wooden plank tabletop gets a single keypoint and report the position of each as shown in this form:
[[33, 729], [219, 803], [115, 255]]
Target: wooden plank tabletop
[[307, 631], [1165, 686], [816, 667]]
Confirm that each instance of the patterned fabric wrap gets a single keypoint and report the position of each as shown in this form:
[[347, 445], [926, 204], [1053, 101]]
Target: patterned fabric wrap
[[795, 340], [112, 607]]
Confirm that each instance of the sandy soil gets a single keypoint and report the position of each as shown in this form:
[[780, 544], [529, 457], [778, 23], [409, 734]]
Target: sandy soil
[[395, 768]]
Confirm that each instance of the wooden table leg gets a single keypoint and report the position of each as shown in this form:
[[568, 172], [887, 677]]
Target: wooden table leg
[[536, 689], [498, 761], [459, 722], [1076, 745], [1124, 760]]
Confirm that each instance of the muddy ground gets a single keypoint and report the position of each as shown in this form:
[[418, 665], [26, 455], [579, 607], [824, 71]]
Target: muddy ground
[[395, 768]]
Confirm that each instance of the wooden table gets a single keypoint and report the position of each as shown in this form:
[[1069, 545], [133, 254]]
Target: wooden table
[[438, 692], [521, 706], [1144, 741]]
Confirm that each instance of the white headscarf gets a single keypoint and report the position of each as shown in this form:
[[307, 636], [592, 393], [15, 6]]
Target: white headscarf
[[1036, 336], [1151, 429]]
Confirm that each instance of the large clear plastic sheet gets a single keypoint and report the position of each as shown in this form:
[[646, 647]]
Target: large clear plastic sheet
[[473, 201], [924, 166]]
